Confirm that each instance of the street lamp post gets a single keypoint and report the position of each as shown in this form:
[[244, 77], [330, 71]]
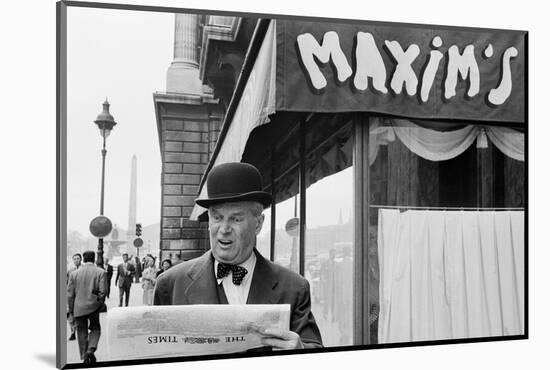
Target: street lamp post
[[105, 122]]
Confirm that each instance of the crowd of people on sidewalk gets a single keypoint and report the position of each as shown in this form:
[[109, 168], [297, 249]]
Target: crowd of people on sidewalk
[[88, 285]]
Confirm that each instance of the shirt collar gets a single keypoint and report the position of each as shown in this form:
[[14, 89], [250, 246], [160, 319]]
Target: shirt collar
[[248, 265]]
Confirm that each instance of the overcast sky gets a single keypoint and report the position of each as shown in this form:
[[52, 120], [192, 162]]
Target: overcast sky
[[122, 55]]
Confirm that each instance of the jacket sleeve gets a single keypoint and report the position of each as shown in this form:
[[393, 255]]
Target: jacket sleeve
[[70, 293], [302, 321], [102, 287], [117, 274]]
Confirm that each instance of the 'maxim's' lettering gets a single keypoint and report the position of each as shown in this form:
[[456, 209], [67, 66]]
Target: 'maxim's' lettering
[[370, 64]]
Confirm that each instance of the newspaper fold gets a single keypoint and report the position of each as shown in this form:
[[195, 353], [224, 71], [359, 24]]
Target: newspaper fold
[[162, 331]]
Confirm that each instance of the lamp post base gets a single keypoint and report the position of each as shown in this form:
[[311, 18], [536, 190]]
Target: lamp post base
[[99, 261]]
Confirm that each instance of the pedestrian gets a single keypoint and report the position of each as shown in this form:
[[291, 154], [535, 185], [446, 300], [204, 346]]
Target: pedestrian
[[327, 279], [148, 280], [86, 298], [108, 277], [77, 259], [233, 271], [166, 264], [139, 268], [124, 276], [343, 311]]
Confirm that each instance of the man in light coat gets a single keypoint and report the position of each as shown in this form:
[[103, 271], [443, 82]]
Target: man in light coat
[[77, 261], [86, 297]]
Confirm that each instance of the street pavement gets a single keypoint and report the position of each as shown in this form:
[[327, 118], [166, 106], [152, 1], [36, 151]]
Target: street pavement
[[136, 299]]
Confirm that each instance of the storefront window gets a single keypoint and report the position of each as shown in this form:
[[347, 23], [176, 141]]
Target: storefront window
[[263, 240], [287, 234], [329, 238], [445, 231], [329, 255], [286, 192]]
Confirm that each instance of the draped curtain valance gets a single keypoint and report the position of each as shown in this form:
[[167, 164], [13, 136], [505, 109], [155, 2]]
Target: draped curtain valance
[[429, 143], [436, 145]]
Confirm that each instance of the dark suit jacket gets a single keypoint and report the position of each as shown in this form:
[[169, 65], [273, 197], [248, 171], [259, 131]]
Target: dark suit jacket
[[108, 272], [86, 290], [193, 282], [125, 281]]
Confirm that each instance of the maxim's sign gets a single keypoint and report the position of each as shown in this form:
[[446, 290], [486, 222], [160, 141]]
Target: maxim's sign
[[409, 71]]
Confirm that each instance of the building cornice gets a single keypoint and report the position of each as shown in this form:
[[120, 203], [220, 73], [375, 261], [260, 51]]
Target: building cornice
[[216, 28], [174, 98]]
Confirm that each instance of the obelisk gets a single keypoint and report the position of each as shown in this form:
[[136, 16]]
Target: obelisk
[[133, 200]]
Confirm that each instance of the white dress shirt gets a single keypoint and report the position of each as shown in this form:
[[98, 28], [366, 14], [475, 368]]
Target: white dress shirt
[[237, 294]]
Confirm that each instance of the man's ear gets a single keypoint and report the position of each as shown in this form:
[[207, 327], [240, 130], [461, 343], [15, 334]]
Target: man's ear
[[260, 223]]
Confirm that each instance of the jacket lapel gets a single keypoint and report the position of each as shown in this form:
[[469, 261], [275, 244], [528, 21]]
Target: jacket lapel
[[203, 288], [264, 282]]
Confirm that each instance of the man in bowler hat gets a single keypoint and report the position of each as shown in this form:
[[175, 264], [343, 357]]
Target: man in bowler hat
[[86, 297], [233, 271]]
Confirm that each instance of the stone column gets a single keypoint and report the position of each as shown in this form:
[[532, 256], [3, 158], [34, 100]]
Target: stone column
[[185, 40], [183, 73]]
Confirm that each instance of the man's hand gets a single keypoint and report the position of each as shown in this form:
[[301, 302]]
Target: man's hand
[[278, 338], [71, 319]]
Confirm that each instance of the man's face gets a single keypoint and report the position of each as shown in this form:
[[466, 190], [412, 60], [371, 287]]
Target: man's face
[[233, 229], [76, 260], [125, 258]]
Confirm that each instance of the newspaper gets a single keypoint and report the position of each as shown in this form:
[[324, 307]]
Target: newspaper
[[161, 331]]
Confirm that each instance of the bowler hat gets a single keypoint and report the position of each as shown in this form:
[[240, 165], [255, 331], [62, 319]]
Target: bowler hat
[[234, 182]]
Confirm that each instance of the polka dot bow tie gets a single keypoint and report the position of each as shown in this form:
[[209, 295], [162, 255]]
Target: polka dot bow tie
[[238, 272]]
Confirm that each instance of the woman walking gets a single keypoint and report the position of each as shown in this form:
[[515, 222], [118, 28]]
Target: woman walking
[[148, 280]]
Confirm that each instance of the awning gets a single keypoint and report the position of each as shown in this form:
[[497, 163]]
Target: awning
[[256, 104]]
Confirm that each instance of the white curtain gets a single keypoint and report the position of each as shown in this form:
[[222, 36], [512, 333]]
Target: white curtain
[[436, 145], [450, 274]]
